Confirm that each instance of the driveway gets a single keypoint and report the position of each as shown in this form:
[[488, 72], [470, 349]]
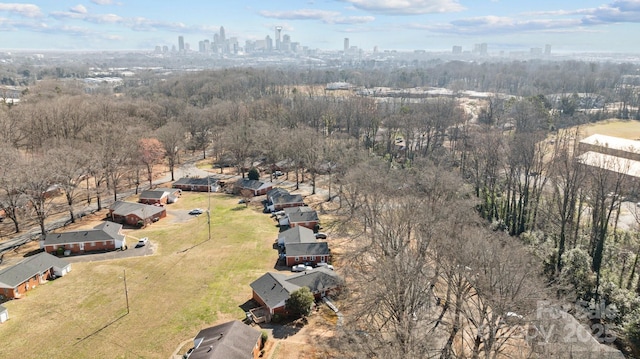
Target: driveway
[[147, 250]]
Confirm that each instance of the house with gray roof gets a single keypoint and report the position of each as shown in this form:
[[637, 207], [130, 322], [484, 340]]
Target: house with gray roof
[[197, 184], [297, 253], [135, 214], [230, 340], [107, 236], [16, 280], [160, 196], [258, 188], [300, 216], [272, 290], [296, 235]]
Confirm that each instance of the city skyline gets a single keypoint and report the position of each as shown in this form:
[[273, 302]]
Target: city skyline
[[433, 25]]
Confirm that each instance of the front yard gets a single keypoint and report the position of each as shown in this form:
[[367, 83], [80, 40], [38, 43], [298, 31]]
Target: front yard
[[188, 284]]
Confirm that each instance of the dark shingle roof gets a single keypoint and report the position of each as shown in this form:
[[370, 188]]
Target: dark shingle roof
[[231, 340], [253, 184], [103, 232], [297, 234], [122, 208], [15, 275], [287, 198], [195, 181], [306, 249], [303, 216], [276, 192], [316, 280], [275, 288], [153, 194]]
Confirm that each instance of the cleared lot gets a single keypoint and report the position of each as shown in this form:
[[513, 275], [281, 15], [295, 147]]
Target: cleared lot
[[188, 283]]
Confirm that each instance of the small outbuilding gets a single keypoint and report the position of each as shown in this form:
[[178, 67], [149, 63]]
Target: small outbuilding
[[4, 314]]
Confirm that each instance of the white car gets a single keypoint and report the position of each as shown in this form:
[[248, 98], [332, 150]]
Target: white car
[[196, 211], [326, 265], [300, 268], [142, 242]]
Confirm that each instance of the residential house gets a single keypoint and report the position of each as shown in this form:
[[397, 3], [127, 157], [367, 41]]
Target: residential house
[[135, 214], [16, 280], [160, 196], [279, 199], [272, 290], [4, 314], [230, 340], [300, 216], [258, 188], [195, 184], [106, 236], [296, 253], [296, 235]]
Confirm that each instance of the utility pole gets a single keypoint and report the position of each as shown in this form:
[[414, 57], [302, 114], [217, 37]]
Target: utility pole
[[209, 205], [126, 292]]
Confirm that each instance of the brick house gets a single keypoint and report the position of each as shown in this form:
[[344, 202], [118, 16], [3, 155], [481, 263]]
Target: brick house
[[160, 196], [106, 236], [16, 280], [230, 340], [135, 214], [300, 216], [279, 199], [272, 290], [296, 253], [258, 188], [196, 184]]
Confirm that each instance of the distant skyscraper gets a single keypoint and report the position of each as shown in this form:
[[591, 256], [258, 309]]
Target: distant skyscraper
[[268, 44], [278, 41], [457, 50], [483, 48], [547, 49], [181, 43], [346, 44], [222, 35]]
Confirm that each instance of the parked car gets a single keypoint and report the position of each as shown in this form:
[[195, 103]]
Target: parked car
[[142, 242], [196, 211], [321, 235], [277, 174], [326, 265], [188, 353], [300, 268]]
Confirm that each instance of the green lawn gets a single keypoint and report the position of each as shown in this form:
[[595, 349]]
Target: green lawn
[[190, 283], [628, 129]]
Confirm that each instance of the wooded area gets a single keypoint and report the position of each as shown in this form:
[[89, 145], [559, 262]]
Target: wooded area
[[460, 221]]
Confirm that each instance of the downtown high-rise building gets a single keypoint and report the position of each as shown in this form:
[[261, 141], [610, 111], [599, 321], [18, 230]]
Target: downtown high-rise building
[[346, 44], [181, 43], [278, 41]]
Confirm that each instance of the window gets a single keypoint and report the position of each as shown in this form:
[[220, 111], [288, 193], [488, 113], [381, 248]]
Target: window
[[313, 258], [304, 258], [297, 259], [93, 244]]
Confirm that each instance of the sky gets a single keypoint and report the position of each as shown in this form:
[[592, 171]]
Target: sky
[[403, 25]]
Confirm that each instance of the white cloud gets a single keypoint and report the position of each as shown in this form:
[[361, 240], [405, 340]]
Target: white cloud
[[302, 14], [80, 9], [27, 10], [407, 7], [103, 2]]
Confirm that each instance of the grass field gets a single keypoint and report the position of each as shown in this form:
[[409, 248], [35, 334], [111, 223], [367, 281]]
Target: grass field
[[188, 284], [628, 129]]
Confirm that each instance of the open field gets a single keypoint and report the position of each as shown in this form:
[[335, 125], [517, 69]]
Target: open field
[[188, 284], [628, 129]]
